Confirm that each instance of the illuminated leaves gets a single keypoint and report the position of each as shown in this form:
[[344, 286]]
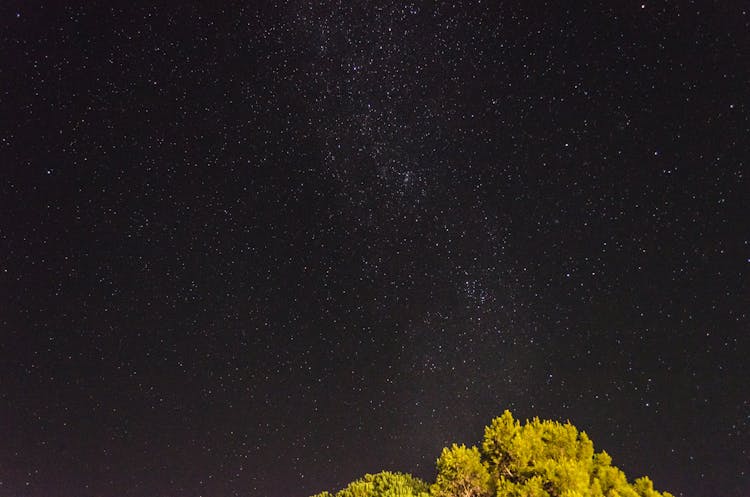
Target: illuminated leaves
[[537, 459]]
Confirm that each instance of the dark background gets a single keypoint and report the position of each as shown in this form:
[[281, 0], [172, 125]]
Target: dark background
[[260, 251]]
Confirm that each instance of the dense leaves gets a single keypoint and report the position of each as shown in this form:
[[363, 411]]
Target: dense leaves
[[535, 459], [384, 484], [461, 474]]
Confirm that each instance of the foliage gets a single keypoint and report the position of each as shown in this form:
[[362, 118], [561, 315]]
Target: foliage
[[535, 459], [460, 473], [384, 484]]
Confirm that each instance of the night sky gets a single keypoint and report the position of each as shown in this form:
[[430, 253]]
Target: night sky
[[260, 251]]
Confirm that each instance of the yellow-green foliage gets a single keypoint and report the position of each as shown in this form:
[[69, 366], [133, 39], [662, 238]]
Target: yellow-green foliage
[[384, 484], [535, 459], [461, 474]]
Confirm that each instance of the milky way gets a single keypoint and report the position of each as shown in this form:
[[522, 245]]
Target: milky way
[[262, 251]]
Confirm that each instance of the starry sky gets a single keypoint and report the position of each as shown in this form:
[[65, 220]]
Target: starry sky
[[262, 250]]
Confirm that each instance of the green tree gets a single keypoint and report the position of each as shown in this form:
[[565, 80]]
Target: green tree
[[384, 484], [497, 447], [460, 473], [535, 459], [551, 459]]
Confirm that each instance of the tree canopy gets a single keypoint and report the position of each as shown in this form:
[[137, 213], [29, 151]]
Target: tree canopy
[[384, 484], [538, 458]]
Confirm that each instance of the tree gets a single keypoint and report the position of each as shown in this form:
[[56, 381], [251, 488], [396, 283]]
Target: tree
[[551, 459], [497, 447], [383, 484], [460, 473], [535, 459]]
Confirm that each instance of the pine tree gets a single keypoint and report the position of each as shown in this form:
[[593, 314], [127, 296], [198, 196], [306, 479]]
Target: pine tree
[[460, 473], [383, 484], [499, 438], [535, 459]]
